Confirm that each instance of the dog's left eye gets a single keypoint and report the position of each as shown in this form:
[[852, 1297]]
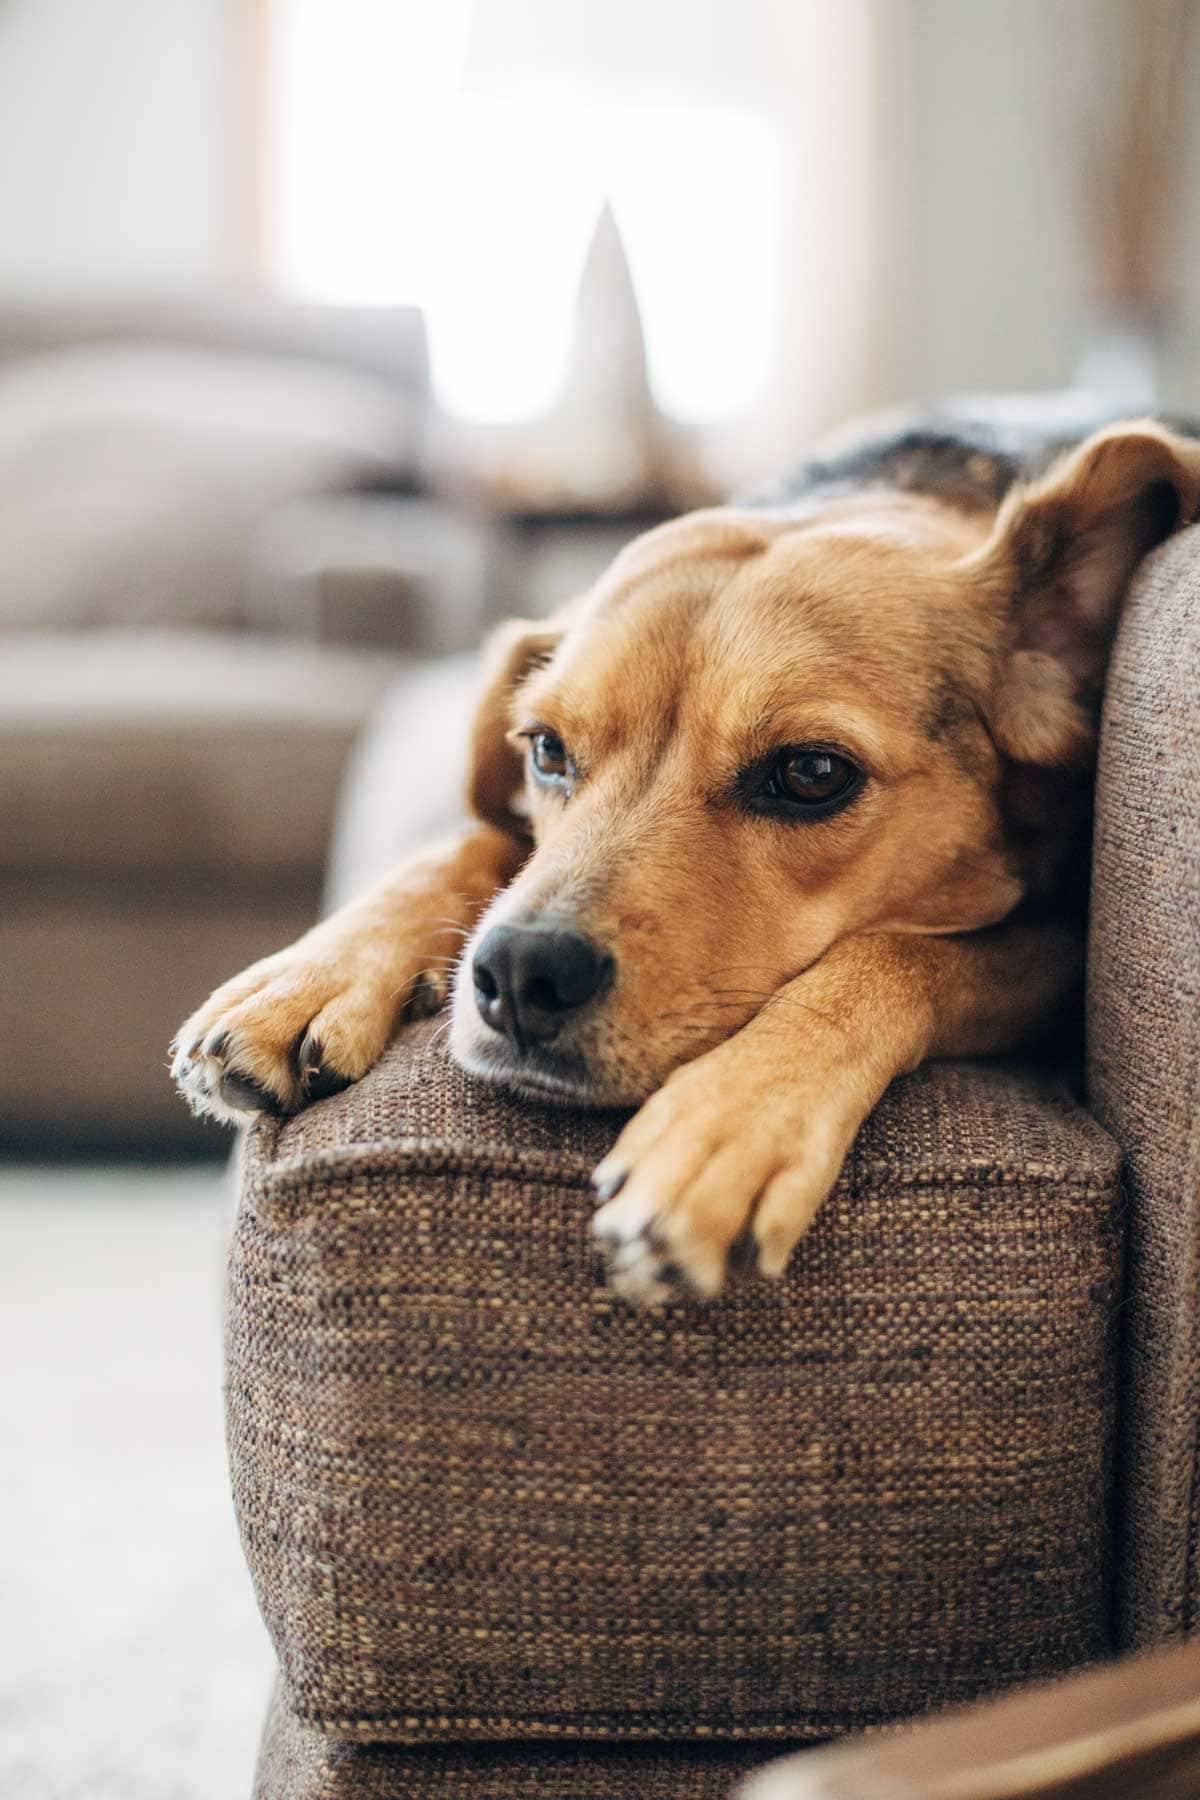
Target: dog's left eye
[[548, 754], [808, 780]]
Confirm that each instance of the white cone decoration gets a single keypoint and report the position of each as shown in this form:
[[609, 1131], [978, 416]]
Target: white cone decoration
[[603, 446]]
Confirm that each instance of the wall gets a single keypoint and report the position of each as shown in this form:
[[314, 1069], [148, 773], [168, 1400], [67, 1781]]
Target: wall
[[117, 136], [997, 290], [1179, 366], [993, 275]]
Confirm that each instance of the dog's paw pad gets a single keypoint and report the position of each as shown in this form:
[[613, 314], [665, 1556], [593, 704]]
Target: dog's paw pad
[[243, 1094]]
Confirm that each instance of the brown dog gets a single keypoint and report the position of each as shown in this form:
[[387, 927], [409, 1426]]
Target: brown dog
[[796, 798]]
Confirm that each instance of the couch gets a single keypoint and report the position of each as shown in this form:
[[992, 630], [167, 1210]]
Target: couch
[[511, 1537], [214, 558]]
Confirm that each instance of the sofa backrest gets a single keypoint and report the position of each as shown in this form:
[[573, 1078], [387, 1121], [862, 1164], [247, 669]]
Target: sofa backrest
[[162, 463], [386, 341], [1144, 1073]]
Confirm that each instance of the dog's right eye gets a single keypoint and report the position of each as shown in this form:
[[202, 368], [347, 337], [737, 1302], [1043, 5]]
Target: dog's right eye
[[802, 782], [548, 754]]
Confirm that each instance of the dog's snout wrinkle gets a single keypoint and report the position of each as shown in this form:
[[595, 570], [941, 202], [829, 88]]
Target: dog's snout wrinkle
[[530, 980]]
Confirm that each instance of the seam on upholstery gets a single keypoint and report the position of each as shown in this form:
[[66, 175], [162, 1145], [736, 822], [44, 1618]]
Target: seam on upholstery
[[426, 1729], [445, 1156], [1071, 1187], [419, 1156]]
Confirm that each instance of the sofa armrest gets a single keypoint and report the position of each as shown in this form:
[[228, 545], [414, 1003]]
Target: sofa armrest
[[1144, 1072], [1131, 1727], [482, 1499]]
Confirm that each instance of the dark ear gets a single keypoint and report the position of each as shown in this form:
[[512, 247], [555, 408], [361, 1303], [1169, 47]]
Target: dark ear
[[1060, 559], [496, 770]]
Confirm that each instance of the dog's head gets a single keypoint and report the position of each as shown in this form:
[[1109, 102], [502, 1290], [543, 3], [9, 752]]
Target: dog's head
[[759, 734]]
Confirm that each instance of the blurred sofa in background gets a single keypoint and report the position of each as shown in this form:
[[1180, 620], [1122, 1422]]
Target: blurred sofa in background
[[215, 552]]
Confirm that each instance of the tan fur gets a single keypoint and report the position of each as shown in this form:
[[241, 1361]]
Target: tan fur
[[772, 977]]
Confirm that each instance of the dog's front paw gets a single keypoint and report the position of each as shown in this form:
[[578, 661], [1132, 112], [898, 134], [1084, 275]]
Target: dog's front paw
[[291, 1029], [720, 1168]]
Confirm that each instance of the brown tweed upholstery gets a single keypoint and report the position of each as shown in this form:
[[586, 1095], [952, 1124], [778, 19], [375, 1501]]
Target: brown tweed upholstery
[[299, 1763], [1144, 1055], [481, 1499]]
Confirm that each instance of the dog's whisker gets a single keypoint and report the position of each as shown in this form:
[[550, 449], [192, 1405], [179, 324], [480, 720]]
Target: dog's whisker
[[732, 969], [454, 926], [717, 1006], [782, 999], [446, 967]]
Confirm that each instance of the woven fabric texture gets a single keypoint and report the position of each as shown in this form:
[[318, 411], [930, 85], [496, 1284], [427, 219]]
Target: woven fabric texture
[[1144, 1056], [298, 1763], [483, 1499]]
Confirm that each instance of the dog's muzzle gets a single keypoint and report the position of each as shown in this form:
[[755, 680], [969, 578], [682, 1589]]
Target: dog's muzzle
[[532, 981]]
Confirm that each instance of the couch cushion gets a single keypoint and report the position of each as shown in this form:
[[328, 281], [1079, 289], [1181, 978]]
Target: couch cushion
[[483, 1499], [133, 479], [1144, 1071], [132, 753]]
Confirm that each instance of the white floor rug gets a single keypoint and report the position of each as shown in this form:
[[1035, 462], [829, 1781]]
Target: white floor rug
[[133, 1664]]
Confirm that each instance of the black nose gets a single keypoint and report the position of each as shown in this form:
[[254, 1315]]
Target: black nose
[[529, 979]]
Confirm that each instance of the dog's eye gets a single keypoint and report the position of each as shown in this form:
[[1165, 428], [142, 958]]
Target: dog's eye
[[548, 754], [807, 781], [814, 776]]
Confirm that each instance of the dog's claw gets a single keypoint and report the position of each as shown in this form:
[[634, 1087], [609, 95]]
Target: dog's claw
[[321, 1083], [743, 1254], [609, 1186]]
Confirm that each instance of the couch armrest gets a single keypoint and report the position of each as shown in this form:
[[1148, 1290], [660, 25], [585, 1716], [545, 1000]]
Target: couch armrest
[[482, 1499], [1144, 1071], [1129, 1728]]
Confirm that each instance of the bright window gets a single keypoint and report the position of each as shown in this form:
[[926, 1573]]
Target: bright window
[[390, 180]]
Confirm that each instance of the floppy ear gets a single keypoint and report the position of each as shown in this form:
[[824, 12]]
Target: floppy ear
[[496, 773], [1060, 559]]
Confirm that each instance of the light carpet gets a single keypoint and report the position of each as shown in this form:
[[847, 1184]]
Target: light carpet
[[133, 1664]]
